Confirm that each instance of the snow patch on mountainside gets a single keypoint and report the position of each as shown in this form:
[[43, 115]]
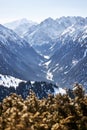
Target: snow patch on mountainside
[[49, 75], [70, 29], [46, 57], [85, 53], [47, 64], [74, 62], [32, 82], [9, 81], [59, 90]]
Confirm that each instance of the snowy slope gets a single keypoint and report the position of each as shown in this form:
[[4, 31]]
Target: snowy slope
[[48, 27], [68, 64], [9, 81], [9, 84], [42, 36], [46, 30], [7, 34]]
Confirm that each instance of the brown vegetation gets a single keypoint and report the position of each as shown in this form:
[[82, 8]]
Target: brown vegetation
[[58, 112]]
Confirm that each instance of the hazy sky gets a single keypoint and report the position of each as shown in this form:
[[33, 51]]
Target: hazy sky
[[38, 10]]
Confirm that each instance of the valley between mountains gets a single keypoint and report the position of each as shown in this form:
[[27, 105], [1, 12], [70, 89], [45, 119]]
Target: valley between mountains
[[53, 51]]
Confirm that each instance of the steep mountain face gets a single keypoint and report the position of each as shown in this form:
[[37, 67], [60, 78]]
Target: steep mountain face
[[20, 26], [69, 62], [17, 58], [41, 38]]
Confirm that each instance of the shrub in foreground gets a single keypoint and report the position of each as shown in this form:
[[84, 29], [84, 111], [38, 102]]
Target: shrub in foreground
[[58, 112]]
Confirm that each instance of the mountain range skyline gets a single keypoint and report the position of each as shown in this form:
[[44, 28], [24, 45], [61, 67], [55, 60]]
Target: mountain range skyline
[[28, 20], [40, 10]]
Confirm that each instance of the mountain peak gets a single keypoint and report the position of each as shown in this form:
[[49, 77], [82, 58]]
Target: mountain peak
[[20, 26], [24, 21], [13, 25], [48, 20]]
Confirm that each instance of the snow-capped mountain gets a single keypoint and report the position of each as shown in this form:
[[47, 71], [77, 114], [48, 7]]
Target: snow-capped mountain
[[72, 33], [17, 58], [69, 62], [20, 26], [42, 37]]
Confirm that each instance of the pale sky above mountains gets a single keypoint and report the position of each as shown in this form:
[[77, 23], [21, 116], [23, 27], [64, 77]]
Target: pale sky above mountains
[[38, 10]]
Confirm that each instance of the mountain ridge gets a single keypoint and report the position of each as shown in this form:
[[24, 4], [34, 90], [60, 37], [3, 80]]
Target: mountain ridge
[[66, 53]]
